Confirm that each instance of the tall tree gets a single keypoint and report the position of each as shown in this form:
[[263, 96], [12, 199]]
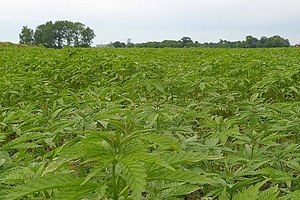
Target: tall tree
[[76, 33], [251, 42], [129, 43], [186, 41], [60, 29], [87, 35], [26, 36], [277, 41], [45, 35], [119, 44], [62, 33]]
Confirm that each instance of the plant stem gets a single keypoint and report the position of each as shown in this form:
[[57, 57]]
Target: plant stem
[[114, 182]]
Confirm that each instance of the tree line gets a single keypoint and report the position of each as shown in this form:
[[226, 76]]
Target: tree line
[[249, 42], [75, 34], [58, 35]]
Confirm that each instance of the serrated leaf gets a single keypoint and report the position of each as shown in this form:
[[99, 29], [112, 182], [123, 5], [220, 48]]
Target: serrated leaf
[[16, 175], [251, 192], [274, 174], [96, 170], [50, 181], [272, 137], [134, 174], [293, 195], [182, 190], [224, 195], [269, 194], [181, 175], [162, 140], [187, 157], [74, 192], [153, 158]]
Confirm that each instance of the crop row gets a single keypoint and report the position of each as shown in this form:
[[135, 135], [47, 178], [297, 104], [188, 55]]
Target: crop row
[[149, 123]]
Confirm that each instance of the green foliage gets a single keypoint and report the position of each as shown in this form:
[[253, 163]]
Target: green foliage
[[60, 182], [26, 36], [253, 193], [249, 42], [12, 45], [149, 123], [59, 34]]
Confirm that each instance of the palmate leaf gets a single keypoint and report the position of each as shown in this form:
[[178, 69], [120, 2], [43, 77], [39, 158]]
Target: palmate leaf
[[50, 181], [16, 175], [182, 175], [183, 190], [292, 195], [74, 192], [26, 141], [274, 174], [66, 153], [253, 193], [96, 170], [94, 136], [269, 194], [153, 158], [223, 195], [187, 157], [250, 193], [135, 175], [172, 190], [164, 141]]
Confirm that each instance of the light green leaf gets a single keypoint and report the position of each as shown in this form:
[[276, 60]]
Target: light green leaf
[[254, 97], [50, 181], [182, 175], [134, 174], [74, 192], [269, 194], [187, 157], [224, 195], [96, 170], [153, 158], [164, 141], [182, 190], [250, 193]]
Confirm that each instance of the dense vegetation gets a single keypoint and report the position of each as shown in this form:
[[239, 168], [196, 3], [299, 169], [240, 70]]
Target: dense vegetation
[[149, 124], [10, 44], [58, 35], [249, 42]]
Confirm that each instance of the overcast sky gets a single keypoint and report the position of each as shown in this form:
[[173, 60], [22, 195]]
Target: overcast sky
[[155, 20]]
